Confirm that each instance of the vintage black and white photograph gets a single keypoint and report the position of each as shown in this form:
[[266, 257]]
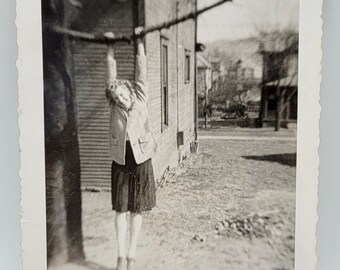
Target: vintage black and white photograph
[[170, 133]]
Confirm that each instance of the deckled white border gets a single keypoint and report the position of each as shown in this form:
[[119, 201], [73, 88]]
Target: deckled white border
[[30, 83], [31, 124], [310, 54]]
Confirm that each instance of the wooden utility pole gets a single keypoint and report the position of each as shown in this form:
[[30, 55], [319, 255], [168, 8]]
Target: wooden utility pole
[[63, 195]]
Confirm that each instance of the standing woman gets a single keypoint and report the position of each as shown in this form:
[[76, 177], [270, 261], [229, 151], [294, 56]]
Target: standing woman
[[132, 146]]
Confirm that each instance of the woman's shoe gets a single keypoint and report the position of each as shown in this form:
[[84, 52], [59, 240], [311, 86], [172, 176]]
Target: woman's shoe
[[130, 263], [120, 263]]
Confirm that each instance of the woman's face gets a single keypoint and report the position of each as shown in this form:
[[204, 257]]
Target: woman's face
[[122, 97]]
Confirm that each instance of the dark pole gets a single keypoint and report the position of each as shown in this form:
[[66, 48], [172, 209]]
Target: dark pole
[[63, 195], [263, 88], [278, 109], [206, 104]]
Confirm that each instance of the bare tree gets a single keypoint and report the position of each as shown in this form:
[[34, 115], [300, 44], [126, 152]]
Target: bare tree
[[234, 88]]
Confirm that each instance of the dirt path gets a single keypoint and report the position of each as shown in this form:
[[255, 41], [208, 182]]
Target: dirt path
[[227, 179]]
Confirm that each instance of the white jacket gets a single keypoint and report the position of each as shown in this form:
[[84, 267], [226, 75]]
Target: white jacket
[[135, 123]]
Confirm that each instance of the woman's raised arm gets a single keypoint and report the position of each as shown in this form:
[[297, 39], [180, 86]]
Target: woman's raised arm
[[141, 67], [111, 67]]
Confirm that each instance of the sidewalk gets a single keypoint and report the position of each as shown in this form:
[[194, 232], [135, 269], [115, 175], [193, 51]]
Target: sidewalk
[[246, 138], [248, 132], [228, 180]]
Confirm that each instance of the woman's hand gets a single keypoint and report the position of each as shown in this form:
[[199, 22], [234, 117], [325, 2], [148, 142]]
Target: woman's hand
[[139, 31], [109, 35]]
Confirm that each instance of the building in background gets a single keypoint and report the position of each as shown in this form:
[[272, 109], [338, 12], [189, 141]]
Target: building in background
[[171, 77], [242, 86], [217, 77], [259, 73], [204, 73], [237, 73], [280, 79]]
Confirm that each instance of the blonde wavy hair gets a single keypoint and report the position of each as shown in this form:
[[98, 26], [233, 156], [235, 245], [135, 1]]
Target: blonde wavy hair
[[130, 86]]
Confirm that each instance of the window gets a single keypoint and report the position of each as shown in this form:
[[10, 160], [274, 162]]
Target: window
[[164, 83], [187, 67]]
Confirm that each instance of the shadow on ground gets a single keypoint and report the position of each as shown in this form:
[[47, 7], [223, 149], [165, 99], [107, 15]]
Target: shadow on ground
[[95, 266], [284, 159]]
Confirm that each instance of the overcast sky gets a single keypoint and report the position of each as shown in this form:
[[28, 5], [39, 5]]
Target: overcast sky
[[245, 18]]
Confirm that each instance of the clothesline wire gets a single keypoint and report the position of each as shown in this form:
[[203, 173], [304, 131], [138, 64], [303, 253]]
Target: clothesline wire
[[101, 39]]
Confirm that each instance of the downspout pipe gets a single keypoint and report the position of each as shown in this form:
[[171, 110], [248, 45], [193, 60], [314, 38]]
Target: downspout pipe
[[195, 83]]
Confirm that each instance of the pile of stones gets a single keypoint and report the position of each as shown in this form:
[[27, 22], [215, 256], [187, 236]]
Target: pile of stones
[[253, 226]]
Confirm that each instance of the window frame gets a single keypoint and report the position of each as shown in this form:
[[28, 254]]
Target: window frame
[[164, 82], [187, 66]]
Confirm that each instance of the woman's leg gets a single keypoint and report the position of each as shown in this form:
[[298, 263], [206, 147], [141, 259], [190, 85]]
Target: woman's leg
[[121, 228], [136, 221]]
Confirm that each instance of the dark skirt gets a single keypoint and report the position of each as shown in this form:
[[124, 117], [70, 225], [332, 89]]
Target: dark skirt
[[132, 185]]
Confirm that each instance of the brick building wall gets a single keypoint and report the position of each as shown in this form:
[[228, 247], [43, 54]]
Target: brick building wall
[[89, 67], [181, 41]]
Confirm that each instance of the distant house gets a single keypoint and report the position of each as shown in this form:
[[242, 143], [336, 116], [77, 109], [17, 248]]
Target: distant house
[[171, 77], [218, 68], [280, 78], [204, 73], [217, 76], [237, 73]]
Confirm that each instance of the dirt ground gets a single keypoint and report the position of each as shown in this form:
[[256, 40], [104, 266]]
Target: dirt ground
[[248, 183]]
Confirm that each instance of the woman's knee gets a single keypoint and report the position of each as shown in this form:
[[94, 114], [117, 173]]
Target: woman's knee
[[120, 215]]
